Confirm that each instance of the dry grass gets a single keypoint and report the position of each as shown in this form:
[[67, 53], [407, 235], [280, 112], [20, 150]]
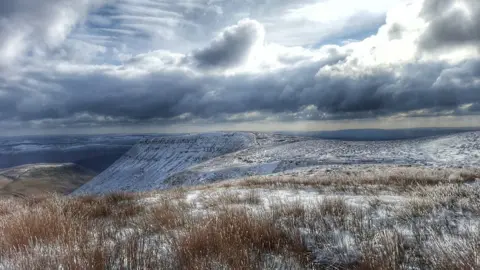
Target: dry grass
[[226, 198], [238, 240], [417, 208], [461, 254], [116, 206], [435, 226], [398, 178], [117, 198], [75, 233], [387, 250], [426, 201], [8, 206], [134, 252], [39, 225], [165, 215]]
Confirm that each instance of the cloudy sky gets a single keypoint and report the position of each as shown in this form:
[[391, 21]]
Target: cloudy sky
[[193, 65]]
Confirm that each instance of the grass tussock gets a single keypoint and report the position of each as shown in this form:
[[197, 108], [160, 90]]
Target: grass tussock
[[165, 215], [218, 199], [8, 206], [38, 225], [238, 240], [387, 250], [119, 205]]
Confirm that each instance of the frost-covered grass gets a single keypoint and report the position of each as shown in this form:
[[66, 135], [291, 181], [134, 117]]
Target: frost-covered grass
[[411, 218], [363, 177]]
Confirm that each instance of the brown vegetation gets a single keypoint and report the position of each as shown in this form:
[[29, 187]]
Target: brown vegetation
[[399, 178], [238, 240], [434, 226]]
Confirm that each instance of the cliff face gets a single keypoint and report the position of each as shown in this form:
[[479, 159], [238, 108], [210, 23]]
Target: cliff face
[[151, 161]]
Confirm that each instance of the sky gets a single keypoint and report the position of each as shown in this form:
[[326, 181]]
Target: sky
[[111, 66]]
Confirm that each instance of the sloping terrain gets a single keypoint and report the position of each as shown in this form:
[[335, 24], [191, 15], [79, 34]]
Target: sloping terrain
[[40, 179], [460, 149], [151, 161], [198, 159]]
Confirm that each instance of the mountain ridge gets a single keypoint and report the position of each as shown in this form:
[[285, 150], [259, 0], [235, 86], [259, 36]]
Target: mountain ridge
[[193, 159]]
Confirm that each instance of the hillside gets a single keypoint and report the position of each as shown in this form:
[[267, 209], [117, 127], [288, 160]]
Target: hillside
[[40, 179], [197, 159], [151, 161]]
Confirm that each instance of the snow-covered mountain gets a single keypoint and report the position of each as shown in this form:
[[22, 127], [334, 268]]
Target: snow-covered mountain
[[196, 159], [151, 161]]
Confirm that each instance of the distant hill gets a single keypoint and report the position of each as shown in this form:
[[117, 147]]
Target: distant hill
[[37, 179], [380, 134]]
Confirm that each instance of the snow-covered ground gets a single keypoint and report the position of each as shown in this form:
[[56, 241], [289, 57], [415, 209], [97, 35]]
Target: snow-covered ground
[[460, 149], [197, 159]]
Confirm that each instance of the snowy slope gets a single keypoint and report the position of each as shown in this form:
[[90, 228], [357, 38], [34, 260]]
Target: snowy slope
[[197, 159], [150, 161], [460, 150]]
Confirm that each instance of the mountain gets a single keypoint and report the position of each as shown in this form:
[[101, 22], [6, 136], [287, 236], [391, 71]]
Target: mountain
[[203, 158], [38, 179], [150, 161], [381, 134]]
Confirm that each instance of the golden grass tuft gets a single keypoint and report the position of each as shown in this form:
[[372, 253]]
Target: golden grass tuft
[[237, 240]]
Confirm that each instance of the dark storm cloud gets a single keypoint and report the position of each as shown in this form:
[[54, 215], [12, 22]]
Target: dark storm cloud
[[451, 23], [166, 94], [232, 46], [475, 107]]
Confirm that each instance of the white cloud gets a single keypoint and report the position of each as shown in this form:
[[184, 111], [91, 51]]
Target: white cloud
[[38, 25], [325, 21], [334, 11]]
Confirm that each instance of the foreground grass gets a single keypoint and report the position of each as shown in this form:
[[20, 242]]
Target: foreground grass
[[252, 226]]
